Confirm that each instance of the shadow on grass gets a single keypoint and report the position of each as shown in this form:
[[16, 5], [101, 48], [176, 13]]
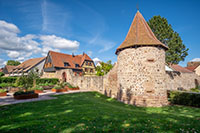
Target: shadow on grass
[[91, 111]]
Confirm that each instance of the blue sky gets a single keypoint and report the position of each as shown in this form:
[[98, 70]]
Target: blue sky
[[29, 28]]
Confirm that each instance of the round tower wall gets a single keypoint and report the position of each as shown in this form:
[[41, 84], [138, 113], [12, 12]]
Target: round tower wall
[[141, 76]]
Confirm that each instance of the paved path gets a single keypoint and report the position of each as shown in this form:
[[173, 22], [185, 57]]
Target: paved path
[[43, 96]]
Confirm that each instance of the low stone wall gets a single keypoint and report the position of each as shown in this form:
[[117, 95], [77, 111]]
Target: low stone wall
[[186, 81]]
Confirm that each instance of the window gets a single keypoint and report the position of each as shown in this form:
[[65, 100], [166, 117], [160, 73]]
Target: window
[[66, 64], [76, 65], [91, 70]]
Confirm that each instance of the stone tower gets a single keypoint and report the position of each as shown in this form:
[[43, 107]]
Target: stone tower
[[141, 66]]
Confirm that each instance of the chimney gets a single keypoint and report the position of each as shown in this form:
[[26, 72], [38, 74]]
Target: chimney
[[73, 55], [83, 53]]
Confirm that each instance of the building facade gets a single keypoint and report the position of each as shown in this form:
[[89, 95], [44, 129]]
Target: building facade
[[34, 64], [56, 65]]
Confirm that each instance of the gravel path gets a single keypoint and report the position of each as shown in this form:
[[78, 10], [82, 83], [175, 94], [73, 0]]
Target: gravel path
[[42, 96]]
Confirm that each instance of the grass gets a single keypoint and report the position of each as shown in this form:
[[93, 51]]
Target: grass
[[91, 111]]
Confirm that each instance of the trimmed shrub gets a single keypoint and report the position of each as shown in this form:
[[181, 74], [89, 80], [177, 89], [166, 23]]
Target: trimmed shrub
[[23, 93], [185, 98], [57, 87], [38, 88], [49, 81], [8, 79], [2, 90]]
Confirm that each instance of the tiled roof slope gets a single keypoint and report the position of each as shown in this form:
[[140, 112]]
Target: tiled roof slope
[[178, 68], [191, 68], [58, 59], [9, 68], [140, 34], [28, 64]]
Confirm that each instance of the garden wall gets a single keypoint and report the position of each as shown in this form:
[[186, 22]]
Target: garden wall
[[175, 80]]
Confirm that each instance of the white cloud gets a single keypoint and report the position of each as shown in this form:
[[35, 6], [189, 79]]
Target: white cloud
[[22, 48], [45, 50], [196, 60], [13, 54], [59, 43], [96, 60]]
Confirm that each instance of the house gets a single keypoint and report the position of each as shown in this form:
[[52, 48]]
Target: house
[[178, 68], [194, 66], [195, 69], [7, 69], [28, 65], [57, 62]]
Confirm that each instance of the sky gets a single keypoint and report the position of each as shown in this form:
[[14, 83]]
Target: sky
[[30, 28]]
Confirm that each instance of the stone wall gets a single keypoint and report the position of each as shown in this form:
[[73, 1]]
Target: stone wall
[[186, 81], [141, 72]]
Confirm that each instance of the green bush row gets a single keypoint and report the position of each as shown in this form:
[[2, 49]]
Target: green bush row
[[184, 98], [16, 82], [8, 79]]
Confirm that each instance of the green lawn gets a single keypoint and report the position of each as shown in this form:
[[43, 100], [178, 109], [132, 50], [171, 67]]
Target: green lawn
[[91, 111]]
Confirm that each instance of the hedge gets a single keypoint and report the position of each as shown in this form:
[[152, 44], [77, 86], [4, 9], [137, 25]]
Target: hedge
[[7, 79], [47, 80], [184, 98]]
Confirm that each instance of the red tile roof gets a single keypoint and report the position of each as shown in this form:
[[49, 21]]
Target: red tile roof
[[191, 68], [140, 34], [58, 59], [178, 68], [28, 64], [9, 68]]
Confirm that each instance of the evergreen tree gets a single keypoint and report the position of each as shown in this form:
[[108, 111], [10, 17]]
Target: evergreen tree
[[164, 32]]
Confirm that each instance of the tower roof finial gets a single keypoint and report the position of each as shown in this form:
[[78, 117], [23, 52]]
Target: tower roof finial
[[137, 6]]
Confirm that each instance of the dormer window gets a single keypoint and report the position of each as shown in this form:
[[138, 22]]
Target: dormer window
[[66, 64], [77, 65]]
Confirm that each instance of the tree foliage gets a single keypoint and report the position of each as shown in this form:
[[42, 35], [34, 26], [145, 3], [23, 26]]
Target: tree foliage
[[104, 68], [27, 81], [1, 74], [13, 63], [164, 32]]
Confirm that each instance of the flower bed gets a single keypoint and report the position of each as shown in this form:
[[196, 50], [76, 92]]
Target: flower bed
[[74, 88], [25, 95], [38, 91], [59, 90], [3, 92]]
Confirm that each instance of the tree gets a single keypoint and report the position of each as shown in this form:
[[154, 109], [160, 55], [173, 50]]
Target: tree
[[164, 32], [104, 68], [1, 74], [13, 63]]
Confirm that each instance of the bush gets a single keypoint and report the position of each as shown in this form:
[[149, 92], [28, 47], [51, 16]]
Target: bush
[[185, 98], [8, 79], [197, 89], [68, 85], [23, 93], [57, 87], [38, 88], [49, 81], [1, 74], [2, 90]]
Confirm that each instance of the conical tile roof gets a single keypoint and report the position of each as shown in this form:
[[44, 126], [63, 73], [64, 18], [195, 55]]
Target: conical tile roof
[[140, 34]]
